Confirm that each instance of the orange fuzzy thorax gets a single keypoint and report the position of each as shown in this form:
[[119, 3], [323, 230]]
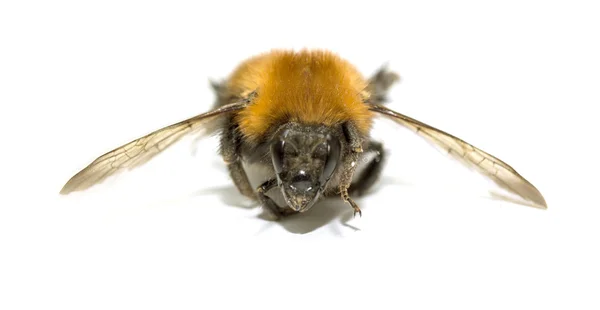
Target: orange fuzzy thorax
[[309, 87]]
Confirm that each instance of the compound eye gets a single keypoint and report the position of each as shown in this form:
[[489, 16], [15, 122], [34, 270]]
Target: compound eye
[[333, 157], [277, 155]]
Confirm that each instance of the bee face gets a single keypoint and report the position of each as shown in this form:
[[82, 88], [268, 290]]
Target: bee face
[[304, 158]]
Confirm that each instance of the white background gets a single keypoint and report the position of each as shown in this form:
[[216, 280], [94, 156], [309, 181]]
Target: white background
[[518, 79]]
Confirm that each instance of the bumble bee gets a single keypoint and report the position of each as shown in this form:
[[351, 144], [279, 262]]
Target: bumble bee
[[304, 117]]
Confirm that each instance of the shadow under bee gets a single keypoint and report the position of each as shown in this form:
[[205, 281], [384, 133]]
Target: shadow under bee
[[327, 212]]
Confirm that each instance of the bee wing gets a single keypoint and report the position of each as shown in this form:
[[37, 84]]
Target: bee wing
[[139, 151], [495, 169]]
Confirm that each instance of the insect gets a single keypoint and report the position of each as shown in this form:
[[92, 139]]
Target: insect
[[304, 117]]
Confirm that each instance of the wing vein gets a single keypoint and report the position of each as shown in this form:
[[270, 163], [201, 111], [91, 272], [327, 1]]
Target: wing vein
[[139, 151], [498, 171]]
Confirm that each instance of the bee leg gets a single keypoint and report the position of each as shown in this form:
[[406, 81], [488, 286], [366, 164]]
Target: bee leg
[[355, 141], [268, 203], [230, 141], [349, 200], [349, 163], [371, 173], [380, 83]]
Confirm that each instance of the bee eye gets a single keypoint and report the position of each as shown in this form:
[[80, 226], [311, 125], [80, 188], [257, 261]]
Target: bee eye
[[333, 156], [277, 155]]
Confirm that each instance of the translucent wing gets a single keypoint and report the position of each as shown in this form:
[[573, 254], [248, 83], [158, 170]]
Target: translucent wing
[[495, 169], [139, 151]]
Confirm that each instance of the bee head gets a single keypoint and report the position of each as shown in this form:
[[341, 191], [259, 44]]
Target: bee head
[[304, 158]]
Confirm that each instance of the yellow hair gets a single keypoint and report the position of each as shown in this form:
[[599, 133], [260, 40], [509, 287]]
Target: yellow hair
[[310, 87]]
